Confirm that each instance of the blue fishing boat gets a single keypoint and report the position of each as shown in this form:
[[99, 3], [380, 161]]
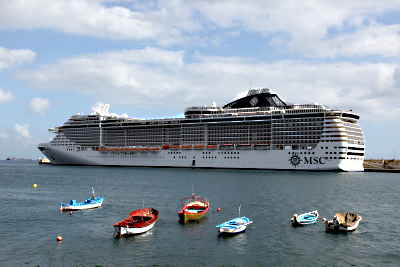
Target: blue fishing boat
[[234, 226], [90, 203], [305, 218]]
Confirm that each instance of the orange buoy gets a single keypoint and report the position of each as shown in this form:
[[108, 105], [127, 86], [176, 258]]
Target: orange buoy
[[59, 238], [219, 209]]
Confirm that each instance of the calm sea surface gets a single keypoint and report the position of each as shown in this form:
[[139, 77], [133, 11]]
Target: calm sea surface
[[30, 219]]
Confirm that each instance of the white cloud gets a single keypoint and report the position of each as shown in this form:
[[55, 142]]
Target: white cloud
[[305, 27], [94, 18], [311, 28], [5, 96], [128, 73], [371, 40], [22, 130], [172, 83], [397, 78], [39, 105], [11, 57]]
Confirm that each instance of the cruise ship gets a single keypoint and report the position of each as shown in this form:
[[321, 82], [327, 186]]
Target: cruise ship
[[258, 131]]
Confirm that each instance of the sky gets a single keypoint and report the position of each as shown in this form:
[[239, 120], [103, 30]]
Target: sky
[[154, 58]]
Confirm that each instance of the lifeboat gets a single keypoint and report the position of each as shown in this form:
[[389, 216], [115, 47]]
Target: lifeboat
[[244, 146], [128, 149], [212, 147], [261, 146], [226, 146], [186, 146], [199, 146], [152, 148]]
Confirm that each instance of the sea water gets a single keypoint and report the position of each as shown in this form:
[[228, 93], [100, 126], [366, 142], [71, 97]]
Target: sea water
[[30, 218]]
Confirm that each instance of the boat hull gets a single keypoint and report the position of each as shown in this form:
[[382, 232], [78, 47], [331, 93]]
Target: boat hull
[[234, 231], [83, 207], [188, 217], [120, 231], [217, 158], [331, 226]]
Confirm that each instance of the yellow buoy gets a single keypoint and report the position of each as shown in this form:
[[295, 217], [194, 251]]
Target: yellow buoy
[[34, 185], [59, 238]]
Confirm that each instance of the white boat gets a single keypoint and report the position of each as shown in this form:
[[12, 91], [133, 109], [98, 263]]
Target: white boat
[[305, 218], [343, 222]]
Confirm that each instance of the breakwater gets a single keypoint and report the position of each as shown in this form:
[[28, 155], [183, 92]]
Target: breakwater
[[382, 165]]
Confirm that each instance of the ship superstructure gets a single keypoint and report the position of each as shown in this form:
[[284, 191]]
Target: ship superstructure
[[258, 131]]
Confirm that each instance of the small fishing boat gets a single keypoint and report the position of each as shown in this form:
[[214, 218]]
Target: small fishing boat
[[90, 203], [305, 218], [193, 208], [138, 222], [234, 226], [343, 222]]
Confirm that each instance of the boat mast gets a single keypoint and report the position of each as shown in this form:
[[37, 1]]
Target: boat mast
[[239, 208], [93, 194]]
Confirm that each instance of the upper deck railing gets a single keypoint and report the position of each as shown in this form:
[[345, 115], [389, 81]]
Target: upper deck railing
[[294, 106]]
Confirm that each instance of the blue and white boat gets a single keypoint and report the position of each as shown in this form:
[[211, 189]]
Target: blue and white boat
[[90, 203], [235, 225], [305, 218]]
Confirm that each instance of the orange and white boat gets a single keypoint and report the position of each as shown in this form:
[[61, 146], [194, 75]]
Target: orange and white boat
[[138, 222]]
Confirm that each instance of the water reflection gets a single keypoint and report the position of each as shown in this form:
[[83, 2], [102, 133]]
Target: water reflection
[[237, 243]]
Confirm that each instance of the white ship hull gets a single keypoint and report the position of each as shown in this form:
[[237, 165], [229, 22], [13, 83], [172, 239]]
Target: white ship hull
[[287, 159], [125, 231]]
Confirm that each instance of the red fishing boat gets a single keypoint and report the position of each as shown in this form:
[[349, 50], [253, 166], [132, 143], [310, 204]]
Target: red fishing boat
[[193, 208], [138, 221]]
